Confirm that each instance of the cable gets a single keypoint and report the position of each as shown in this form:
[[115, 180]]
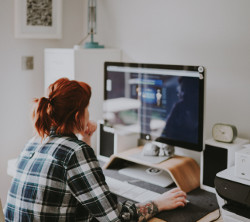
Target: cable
[[216, 217]]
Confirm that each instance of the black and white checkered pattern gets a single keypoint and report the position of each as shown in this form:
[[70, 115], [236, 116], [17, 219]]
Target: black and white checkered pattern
[[60, 180]]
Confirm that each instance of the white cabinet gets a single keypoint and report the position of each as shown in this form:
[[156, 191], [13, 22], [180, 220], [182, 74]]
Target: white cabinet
[[85, 65]]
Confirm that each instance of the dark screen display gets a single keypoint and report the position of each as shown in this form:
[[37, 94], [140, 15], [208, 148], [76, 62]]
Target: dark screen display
[[162, 102]]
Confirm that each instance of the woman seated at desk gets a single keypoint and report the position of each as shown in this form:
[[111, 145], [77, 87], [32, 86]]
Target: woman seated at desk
[[58, 177]]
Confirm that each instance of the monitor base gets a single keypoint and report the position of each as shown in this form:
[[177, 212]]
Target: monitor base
[[184, 171]]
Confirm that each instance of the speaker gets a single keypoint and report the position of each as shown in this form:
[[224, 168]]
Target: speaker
[[112, 141], [217, 156]]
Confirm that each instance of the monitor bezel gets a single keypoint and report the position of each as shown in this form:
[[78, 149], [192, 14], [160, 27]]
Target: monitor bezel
[[186, 145]]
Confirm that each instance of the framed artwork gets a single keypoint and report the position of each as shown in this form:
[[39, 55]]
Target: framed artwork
[[38, 19]]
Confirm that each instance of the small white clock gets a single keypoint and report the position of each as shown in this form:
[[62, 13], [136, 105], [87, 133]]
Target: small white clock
[[224, 132]]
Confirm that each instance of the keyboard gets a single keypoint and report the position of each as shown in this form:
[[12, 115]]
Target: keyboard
[[130, 191]]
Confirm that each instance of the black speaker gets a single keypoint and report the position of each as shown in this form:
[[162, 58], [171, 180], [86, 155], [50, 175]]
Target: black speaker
[[106, 141], [214, 160], [217, 156]]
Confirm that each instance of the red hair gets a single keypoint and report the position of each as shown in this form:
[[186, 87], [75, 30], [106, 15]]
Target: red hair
[[63, 109]]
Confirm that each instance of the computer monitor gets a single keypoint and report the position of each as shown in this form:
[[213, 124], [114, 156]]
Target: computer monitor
[[164, 103]]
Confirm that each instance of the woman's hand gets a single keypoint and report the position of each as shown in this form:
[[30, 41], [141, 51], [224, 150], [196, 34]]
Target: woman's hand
[[167, 201], [88, 132], [171, 199], [91, 128]]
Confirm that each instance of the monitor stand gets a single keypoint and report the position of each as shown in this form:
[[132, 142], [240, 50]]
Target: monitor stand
[[184, 171], [155, 152]]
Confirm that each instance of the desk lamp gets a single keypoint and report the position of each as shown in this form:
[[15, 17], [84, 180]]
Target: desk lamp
[[92, 25]]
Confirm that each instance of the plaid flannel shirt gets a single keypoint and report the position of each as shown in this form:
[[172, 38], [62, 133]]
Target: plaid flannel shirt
[[60, 180]]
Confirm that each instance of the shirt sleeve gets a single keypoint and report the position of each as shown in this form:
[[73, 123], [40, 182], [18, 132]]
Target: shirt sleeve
[[87, 183]]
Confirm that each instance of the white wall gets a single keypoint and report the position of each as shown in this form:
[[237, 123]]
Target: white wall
[[215, 34], [18, 87]]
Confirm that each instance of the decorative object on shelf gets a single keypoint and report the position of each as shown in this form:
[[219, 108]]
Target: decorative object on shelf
[[92, 25], [91, 28], [36, 19], [224, 132]]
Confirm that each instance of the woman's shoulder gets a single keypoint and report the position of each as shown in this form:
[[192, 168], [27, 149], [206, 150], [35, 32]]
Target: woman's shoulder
[[81, 146], [72, 146], [73, 143], [32, 143], [80, 151], [61, 148]]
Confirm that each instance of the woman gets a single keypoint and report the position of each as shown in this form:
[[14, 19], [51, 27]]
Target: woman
[[58, 177]]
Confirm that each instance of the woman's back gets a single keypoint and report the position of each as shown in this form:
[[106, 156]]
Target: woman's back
[[41, 188]]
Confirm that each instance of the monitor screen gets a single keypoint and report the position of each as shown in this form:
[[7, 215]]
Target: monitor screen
[[162, 102]]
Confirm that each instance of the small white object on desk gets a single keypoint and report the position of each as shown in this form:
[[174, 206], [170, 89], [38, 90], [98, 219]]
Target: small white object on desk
[[225, 133]]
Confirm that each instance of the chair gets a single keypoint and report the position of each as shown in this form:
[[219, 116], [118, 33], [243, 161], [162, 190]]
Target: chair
[[2, 219]]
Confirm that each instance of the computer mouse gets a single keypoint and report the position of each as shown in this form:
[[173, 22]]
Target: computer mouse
[[150, 149]]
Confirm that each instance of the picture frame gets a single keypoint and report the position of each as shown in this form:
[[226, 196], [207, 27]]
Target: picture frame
[[38, 19]]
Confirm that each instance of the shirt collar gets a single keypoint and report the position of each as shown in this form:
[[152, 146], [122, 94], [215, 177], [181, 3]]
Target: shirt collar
[[54, 134]]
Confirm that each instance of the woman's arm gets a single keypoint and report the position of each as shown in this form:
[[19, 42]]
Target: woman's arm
[[167, 201], [128, 211], [87, 184]]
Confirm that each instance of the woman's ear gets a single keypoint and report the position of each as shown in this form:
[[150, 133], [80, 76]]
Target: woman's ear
[[76, 116], [79, 121], [76, 120]]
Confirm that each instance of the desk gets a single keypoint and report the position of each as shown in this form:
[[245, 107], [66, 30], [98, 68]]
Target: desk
[[207, 218], [201, 203]]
